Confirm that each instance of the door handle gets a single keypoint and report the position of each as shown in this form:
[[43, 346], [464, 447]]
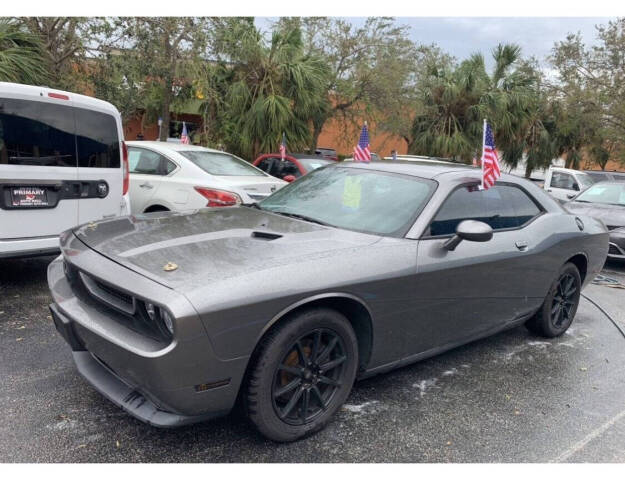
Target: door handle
[[521, 245], [146, 185]]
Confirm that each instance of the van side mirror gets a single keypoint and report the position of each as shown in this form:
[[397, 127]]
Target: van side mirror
[[470, 230], [570, 195]]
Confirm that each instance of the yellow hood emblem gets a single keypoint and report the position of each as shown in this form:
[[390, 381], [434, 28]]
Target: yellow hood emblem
[[170, 267]]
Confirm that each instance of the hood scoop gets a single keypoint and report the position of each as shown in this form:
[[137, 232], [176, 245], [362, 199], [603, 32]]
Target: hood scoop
[[267, 236]]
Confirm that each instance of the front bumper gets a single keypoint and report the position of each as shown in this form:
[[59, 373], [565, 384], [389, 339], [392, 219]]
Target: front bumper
[[165, 385], [616, 249]]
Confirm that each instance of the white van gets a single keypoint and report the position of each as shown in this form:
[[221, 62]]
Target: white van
[[565, 183], [63, 162]]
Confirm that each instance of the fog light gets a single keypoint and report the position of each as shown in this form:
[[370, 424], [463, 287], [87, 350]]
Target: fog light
[[150, 309], [167, 320]]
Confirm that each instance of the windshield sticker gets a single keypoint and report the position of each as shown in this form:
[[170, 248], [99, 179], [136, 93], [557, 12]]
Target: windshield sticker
[[351, 192]]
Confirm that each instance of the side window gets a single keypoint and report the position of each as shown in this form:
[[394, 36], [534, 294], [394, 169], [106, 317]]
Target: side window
[[501, 207], [563, 180], [144, 161], [169, 166], [265, 164], [97, 139], [285, 168], [36, 133]]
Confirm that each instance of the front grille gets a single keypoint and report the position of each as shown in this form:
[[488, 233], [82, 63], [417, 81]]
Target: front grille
[[109, 295]]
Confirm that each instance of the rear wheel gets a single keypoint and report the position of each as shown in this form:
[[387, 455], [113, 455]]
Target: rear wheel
[[302, 374], [559, 308]]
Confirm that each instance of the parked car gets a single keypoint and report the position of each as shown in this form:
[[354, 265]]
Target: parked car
[[62, 162], [384, 264], [605, 201], [603, 176], [176, 177], [329, 153], [292, 167], [564, 183]]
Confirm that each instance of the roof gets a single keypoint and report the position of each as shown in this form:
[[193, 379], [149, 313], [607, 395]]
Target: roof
[[425, 169], [6, 89], [176, 147]]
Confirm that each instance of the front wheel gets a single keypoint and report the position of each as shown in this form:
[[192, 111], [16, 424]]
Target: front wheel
[[560, 305], [302, 374]]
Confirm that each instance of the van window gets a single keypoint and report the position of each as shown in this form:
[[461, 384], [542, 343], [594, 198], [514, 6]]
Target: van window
[[36, 133], [97, 140]]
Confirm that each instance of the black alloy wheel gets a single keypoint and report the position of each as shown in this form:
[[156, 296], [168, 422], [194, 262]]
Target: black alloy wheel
[[308, 377], [301, 373], [560, 305], [564, 301]]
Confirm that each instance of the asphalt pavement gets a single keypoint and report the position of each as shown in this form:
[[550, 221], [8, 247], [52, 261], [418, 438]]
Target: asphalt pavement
[[513, 397]]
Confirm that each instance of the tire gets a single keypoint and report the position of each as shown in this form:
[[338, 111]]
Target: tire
[[294, 386], [558, 310]]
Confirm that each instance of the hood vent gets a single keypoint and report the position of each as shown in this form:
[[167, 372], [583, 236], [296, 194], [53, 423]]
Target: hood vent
[[266, 235]]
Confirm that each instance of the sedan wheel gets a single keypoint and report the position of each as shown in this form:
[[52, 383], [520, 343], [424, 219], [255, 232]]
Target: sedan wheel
[[302, 374], [559, 308]]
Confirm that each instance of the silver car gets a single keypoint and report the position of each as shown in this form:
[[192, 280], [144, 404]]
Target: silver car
[[351, 271]]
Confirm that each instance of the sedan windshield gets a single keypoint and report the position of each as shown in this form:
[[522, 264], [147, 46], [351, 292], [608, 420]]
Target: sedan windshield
[[218, 163], [608, 193], [355, 199]]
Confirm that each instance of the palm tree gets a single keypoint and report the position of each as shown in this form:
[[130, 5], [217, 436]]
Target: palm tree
[[269, 88], [21, 55], [455, 102]]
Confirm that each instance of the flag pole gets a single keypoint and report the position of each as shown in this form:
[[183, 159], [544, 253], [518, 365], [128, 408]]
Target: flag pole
[[482, 157]]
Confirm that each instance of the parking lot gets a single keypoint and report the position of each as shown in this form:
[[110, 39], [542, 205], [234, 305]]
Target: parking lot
[[510, 398]]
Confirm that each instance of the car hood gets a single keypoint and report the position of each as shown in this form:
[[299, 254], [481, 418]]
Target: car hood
[[177, 249], [612, 215]]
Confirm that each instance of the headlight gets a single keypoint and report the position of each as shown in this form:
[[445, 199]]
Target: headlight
[[167, 320], [162, 319]]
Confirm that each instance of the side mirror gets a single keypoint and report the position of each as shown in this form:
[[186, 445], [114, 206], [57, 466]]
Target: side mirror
[[570, 195], [289, 178], [576, 187], [470, 230]]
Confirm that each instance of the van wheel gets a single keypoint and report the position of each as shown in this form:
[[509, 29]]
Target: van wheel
[[302, 374], [559, 308]]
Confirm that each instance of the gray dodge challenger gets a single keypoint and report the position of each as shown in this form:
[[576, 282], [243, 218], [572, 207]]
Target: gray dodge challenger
[[351, 271]]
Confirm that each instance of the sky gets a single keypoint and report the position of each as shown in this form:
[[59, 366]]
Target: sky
[[462, 36]]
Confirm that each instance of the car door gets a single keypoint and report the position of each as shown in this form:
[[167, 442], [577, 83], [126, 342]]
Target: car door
[[480, 286], [562, 185], [98, 144], [146, 170], [39, 188]]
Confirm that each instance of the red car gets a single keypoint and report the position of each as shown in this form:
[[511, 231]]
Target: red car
[[292, 167]]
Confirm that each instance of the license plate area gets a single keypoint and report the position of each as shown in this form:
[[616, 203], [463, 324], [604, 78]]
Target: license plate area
[[29, 197]]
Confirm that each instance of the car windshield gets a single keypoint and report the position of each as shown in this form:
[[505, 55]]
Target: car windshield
[[311, 164], [608, 193], [218, 163], [367, 201], [586, 180]]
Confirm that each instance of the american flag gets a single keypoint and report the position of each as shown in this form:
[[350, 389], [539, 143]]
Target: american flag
[[283, 147], [184, 136], [490, 163], [361, 151]]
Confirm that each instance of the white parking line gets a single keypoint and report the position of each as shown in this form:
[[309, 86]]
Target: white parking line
[[576, 447]]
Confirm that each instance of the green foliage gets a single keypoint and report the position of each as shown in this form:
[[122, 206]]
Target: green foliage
[[21, 55]]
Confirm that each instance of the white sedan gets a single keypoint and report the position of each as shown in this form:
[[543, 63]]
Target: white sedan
[[175, 176]]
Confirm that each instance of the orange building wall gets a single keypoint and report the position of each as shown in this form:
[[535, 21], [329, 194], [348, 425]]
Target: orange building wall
[[344, 137]]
